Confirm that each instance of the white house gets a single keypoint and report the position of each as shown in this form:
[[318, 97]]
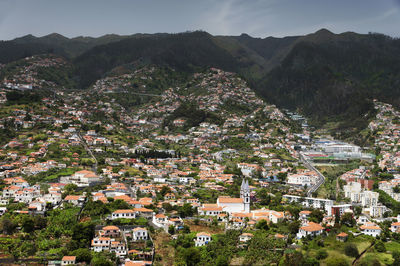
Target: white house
[[100, 244], [245, 237], [202, 239], [53, 198], [210, 209], [395, 227], [128, 214], [118, 248], [68, 260], [140, 233], [75, 199], [312, 229], [371, 229]]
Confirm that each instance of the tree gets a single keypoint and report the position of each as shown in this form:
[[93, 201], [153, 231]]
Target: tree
[[119, 205], [222, 261], [186, 229], [379, 246], [310, 261], [68, 189], [186, 210], [167, 207], [322, 254], [262, 225], [83, 233], [28, 225], [348, 219], [165, 190], [294, 258], [396, 257], [100, 260], [337, 261], [263, 196], [171, 229], [350, 249], [82, 255], [294, 227], [191, 256], [7, 225], [282, 176], [316, 216]]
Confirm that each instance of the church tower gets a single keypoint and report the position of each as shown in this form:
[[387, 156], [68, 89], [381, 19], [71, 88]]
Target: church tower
[[245, 195]]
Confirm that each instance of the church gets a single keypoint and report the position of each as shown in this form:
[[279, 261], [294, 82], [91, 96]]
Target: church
[[242, 204]]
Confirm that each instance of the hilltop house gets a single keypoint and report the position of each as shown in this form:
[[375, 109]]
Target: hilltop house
[[202, 239]]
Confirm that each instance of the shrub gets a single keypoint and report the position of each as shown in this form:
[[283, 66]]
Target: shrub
[[322, 254], [337, 261], [380, 247], [350, 249]]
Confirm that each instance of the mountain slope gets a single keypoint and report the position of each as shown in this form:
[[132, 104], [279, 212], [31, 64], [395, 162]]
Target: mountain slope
[[328, 76], [184, 52]]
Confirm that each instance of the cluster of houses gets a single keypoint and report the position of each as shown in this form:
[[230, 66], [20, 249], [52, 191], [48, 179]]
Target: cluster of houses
[[26, 77], [148, 185]]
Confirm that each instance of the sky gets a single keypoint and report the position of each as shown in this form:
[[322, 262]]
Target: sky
[[258, 18]]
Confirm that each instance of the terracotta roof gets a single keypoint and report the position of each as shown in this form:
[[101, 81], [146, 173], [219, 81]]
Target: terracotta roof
[[203, 234], [124, 211], [72, 197], [230, 200], [312, 227], [370, 227], [342, 234], [69, 258], [137, 263], [110, 227], [143, 210], [211, 209]]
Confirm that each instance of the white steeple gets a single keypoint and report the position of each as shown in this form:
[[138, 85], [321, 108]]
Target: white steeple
[[245, 195]]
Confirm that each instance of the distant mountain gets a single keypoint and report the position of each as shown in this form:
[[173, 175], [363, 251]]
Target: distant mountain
[[327, 76], [68, 47]]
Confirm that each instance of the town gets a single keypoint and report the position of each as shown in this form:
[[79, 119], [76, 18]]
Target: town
[[203, 171]]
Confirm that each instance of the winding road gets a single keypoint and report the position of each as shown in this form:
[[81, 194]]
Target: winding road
[[321, 179]]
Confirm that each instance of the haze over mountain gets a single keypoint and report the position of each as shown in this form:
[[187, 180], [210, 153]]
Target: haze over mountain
[[324, 75]]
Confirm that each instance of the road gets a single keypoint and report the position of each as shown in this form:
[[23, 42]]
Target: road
[[89, 151], [321, 179]]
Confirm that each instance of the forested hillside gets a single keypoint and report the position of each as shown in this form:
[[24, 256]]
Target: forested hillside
[[328, 77]]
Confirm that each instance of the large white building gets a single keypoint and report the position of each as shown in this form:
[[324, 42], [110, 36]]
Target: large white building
[[354, 192], [301, 180], [316, 203], [82, 178], [241, 204]]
